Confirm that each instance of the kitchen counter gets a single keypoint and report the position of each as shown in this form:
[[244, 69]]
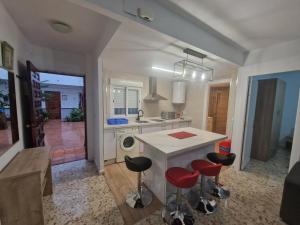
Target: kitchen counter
[[171, 146], [166, 151], [149, 121]]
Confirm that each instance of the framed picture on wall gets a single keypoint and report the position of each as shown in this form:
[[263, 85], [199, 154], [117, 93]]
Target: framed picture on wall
[[7, 55]]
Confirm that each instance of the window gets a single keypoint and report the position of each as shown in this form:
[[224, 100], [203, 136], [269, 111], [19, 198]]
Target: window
[[64, 97], [125, 101]]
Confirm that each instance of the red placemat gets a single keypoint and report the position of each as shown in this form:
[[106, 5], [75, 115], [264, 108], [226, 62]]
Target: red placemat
[[182, 135]]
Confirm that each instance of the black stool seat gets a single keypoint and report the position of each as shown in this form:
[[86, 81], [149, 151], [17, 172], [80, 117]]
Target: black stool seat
[[138, 164], [225, 160]]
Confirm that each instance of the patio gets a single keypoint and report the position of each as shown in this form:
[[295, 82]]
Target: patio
[[66, 140]]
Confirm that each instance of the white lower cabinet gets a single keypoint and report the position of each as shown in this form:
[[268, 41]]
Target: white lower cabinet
[[167, 126], [110, 144], [150, 129], [181, 124]]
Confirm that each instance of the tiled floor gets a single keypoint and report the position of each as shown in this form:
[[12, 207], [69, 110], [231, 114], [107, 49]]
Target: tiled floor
[[83, 197], [66, 140]]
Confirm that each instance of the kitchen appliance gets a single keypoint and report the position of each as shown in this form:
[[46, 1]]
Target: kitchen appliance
[[126, 143], [153, 96], [168, 115]]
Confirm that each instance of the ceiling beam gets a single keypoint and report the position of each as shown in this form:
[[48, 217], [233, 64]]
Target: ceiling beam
[[170, 19]]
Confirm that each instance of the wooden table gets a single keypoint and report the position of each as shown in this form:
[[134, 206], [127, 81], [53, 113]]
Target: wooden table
[[23, 183]]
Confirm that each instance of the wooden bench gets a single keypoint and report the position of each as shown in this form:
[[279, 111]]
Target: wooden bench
[[23, 183]]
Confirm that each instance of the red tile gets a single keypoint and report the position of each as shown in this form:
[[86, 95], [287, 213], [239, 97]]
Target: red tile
[[66, 137]]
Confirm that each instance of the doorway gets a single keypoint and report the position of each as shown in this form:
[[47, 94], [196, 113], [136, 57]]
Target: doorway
[[54, 113], [218, 108], [63, 106], [270, 123]]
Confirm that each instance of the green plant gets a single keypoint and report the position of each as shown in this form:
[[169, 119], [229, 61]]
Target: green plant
[[3, 103], [45, 115], [76, 115]]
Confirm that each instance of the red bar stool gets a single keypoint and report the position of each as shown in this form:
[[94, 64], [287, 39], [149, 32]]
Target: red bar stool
[[180, 178], [225, 160], [206, 169]]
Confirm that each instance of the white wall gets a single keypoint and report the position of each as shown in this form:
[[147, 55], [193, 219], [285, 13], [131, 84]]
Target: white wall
[[274, 59], [290, 103], [151, 109], [11, 34], [64, 62]]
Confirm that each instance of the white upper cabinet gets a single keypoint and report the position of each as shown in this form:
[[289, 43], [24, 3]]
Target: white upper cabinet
[[179, 90]]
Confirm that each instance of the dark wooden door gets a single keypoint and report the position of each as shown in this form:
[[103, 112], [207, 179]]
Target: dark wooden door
[[53, 104], [218, 108], [267, 122], [32, 106]]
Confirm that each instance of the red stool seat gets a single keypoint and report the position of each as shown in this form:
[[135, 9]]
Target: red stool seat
[[181, 178], [206, 168]]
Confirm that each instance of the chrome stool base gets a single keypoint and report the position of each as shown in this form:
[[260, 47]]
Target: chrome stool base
[[218, 190], [174, 216], [200, 203], [139, 200]]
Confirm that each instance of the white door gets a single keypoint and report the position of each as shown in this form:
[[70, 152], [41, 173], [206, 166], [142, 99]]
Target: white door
[[249, 122], [295, 153]]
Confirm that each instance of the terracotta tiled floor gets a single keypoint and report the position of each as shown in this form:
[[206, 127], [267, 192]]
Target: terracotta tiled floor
[[5, 139], [66, 140]]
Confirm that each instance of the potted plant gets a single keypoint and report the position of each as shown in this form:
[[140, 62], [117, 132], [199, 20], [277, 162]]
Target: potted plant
[[76, 115]]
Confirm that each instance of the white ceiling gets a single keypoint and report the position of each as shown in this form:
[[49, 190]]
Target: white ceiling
[[32, 16], [252, 24], [134, 49]]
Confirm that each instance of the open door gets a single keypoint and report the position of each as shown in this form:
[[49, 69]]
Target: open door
[[32, 107], [249, 122], [295, 153]]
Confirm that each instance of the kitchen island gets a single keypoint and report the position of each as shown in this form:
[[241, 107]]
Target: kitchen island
[[167, 151]]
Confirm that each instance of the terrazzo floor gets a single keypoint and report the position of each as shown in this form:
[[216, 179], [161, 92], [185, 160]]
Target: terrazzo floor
[[82, 197]]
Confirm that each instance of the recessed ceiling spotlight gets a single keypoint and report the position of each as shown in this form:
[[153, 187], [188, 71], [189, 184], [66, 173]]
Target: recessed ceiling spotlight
[[203, 76], [60, 26]]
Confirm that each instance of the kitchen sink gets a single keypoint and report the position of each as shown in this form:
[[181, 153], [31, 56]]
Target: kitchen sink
[[157, 120]]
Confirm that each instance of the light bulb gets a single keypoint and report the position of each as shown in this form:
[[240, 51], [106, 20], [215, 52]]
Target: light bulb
[[194, 75], [203, 76]]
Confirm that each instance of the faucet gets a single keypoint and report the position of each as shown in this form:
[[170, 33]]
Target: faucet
[[140, 114]]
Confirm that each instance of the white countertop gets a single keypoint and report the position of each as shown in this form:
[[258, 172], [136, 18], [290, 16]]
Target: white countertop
[[173, 146], [149, 120]]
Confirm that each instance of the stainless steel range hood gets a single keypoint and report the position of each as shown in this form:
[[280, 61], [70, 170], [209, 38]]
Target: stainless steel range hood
[[153, 96]]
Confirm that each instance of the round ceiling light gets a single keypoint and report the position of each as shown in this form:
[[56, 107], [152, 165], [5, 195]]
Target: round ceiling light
[[61, 27]]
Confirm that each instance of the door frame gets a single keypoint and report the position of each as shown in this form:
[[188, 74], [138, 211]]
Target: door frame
[[206, 99], [84, 99]]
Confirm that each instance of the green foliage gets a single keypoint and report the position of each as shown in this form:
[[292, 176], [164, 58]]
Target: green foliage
[[76, 115], [45, 115], [3, 98]]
